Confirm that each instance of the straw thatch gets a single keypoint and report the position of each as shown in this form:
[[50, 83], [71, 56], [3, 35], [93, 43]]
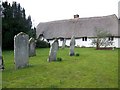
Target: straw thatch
[[81, 27]]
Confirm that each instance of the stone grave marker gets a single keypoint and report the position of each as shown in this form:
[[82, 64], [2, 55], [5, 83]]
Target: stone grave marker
[[21, 50], [72, 45], [53, 51], [63, 44], [1, 63], [1, 58], [32, 45]]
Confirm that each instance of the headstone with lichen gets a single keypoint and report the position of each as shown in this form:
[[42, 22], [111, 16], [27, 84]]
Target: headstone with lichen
[[53, 51], [63, 44], [32, 45], [21, 50], [72, 46]]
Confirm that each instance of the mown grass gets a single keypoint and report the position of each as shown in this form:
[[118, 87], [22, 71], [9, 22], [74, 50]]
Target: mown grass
[[92, 69]]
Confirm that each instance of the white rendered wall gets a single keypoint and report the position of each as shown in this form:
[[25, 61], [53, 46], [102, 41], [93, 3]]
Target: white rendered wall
[[87, 43], [116, 42], [68, 42], [81, 43], [119, 43], [60, 42]]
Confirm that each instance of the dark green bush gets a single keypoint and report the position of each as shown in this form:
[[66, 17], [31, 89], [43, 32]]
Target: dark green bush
[[77, 54], [42, 44], [83, 46], [59, 59]]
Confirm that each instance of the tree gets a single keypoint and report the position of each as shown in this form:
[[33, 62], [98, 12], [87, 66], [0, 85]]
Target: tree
[[102, 39], [32, 33], [14, 21]]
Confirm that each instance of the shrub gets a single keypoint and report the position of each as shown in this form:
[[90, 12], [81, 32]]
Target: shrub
[[59, 59], [78, 46], [42, 44], [77, 54], [83, 46]]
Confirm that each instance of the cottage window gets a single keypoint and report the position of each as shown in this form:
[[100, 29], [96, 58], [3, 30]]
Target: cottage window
[[48, 40], [61, 39], [111, 38], [84, 38]]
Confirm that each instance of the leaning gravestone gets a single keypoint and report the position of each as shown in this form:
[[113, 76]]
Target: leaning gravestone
[[32, 46], [63, 44], [72, 45], [21, 50], [53, 50]]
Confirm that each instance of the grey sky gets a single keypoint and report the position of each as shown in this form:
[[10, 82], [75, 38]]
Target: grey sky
[[50, 10]]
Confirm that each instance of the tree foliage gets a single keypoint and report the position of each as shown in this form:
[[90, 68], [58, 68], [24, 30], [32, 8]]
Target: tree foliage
[[42, 44], [102, 39], [14, 21]]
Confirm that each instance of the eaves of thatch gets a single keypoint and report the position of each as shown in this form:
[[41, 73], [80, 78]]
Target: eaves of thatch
[[81, 27]]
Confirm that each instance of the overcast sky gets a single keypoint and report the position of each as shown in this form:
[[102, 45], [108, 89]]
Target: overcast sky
[[50, 10]]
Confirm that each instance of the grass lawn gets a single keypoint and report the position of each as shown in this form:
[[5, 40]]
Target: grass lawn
[[92, 69]]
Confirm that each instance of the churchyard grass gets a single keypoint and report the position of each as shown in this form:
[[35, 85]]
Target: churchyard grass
[[91, 69]]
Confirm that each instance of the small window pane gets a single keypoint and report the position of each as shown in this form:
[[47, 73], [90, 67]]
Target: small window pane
[[85, 38]]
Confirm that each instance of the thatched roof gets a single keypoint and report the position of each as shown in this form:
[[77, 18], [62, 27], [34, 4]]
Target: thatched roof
[[81, 27]]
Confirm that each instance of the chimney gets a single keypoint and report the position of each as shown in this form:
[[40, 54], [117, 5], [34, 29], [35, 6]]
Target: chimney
[[119, 10], [76, 16]]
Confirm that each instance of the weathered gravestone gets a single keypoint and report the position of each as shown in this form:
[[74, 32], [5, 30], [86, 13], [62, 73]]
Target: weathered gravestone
[[1, 63], [21, 50], [1, 59], [53, 50], [63, 44], [32, 45], [72, 45]]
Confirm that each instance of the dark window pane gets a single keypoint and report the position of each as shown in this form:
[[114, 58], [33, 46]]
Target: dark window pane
[[85, 38], [82, 38]]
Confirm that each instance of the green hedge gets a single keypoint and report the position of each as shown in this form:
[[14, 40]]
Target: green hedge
[[42, 44]]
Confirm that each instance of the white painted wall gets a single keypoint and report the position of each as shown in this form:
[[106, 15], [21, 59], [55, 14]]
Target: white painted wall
[[117, 42], [87, 43], [81, 43]]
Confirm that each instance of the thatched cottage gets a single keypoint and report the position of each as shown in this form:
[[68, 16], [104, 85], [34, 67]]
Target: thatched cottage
[[82, 28]]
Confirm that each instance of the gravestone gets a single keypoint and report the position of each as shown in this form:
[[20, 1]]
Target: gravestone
[[32, 45], [21, 50], [1, 58], [72, 45], [1, 63], [53, 51], [63, 44]]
